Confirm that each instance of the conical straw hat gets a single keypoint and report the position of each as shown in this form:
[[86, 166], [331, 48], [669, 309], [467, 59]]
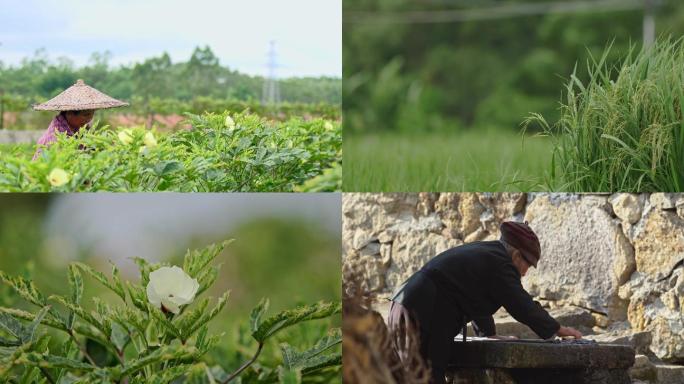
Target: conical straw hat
[[79, 97]]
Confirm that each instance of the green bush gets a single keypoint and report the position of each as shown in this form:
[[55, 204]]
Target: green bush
[[220, 153], [134, 340], [623, 129], [329, 181]]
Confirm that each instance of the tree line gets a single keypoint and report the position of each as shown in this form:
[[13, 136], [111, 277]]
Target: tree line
[[39, 77]]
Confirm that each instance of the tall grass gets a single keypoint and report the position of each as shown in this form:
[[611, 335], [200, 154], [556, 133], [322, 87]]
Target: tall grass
[[622, 129]]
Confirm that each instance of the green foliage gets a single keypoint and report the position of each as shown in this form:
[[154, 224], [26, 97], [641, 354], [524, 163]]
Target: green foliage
[[623, 130], [329, 181], [202, 74], [442, 77], [253, 154], [284, 319], [312, 358], [133, 341]]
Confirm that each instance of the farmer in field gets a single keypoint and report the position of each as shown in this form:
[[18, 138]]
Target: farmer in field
[[470, 283], [76, 106]]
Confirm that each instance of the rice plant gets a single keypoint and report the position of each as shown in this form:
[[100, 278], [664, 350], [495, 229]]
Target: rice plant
[[622, 129]]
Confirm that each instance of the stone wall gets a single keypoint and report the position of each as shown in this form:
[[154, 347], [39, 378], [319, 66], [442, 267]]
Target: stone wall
[[618, 256]]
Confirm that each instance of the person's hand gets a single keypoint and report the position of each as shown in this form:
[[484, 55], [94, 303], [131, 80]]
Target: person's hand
[[500, 337], [569, 331]]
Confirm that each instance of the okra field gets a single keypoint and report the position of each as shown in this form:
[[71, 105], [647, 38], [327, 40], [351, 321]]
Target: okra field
[[220, 152]]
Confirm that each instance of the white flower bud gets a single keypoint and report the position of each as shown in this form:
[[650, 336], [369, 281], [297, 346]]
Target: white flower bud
[[170, 288], [126, 136], [149, 140], [58, 177], [230, 123]]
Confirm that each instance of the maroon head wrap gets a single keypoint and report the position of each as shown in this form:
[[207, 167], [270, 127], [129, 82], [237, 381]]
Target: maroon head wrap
[[521, 237]]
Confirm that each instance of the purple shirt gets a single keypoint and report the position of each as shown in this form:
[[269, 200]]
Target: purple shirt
[[58, 124]]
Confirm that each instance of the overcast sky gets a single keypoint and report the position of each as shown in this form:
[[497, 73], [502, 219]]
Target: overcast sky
[[307, 33]]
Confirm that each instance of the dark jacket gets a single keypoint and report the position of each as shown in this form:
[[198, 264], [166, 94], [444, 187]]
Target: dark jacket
[[470, 283]]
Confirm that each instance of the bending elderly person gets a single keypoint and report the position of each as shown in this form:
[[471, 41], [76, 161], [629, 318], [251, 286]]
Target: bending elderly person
[[465, 284]]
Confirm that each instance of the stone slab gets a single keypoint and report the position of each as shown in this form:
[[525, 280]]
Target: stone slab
[[539, 376], [515, 354]]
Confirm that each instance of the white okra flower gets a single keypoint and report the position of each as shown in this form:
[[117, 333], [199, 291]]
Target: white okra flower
[[126, 136], [149, 140], [170, 288], [230, 123]]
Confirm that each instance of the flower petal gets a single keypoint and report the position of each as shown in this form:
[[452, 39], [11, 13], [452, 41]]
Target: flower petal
[[153, 296], [170, 305]]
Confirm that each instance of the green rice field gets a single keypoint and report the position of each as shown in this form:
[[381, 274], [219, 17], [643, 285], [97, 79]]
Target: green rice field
[[471, 161]]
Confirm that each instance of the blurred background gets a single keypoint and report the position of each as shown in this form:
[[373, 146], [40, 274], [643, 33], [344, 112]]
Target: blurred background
[[436, 90], [279, 239]]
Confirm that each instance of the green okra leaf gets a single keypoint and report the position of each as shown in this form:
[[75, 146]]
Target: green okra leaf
[[257, 314], [31, 375], [312, 357], [168, 375], [197, 374], [99, 276], [167, 167], [207, 278], [116, 276], [70, 351], [103, 355], [286, 376], [290, 317], [188, 319], [196, 261], [138, 296], [324, 361], [76, 286], [90, 332], [52, 361], [207, 317], [82, 313], [120, 336], [168, 326], [12, 326], [31, 329], [9, 343], [164, 353], [103, 313], [24, 288], [145, 268], [24, 315]]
